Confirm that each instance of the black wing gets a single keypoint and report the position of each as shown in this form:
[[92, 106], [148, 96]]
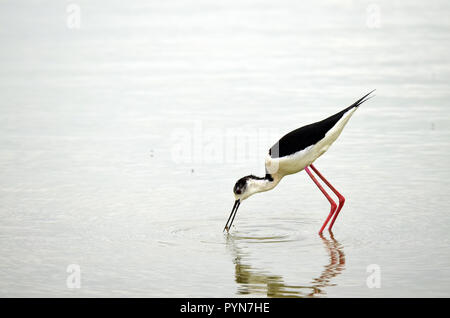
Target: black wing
[[306, 136]]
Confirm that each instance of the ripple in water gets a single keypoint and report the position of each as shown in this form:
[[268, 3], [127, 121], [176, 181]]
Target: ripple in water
[[274, 230]]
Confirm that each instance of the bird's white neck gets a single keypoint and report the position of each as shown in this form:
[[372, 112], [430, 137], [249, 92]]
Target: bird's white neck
[[262, 184]]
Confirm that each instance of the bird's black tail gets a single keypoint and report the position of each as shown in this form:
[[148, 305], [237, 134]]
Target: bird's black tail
[[361, 100], [338, 116]]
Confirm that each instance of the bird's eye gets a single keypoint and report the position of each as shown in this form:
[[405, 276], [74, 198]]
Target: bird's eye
[[238, 191]]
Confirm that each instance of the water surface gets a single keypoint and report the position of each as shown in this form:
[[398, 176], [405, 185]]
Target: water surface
[[93, 121]]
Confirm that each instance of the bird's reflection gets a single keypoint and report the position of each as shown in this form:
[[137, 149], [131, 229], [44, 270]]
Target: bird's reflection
[[254, 281]]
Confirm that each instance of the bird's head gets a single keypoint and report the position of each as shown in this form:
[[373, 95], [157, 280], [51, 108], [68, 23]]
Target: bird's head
[[244, 188]]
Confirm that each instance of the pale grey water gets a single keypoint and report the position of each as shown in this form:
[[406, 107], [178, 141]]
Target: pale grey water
[[89, 123]]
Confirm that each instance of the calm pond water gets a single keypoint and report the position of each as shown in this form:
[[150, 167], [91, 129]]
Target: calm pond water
[[123, 132]]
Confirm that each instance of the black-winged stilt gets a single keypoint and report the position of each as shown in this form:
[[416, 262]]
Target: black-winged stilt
[[294, 152]]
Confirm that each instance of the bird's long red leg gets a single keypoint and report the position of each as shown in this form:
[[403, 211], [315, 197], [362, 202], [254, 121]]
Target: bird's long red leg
[[333, 204], [340, 196]]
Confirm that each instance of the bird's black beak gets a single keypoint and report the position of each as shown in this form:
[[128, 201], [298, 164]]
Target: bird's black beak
[[232, 215]]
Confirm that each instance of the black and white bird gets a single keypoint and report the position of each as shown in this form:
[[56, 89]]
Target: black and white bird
[[294, 152]]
